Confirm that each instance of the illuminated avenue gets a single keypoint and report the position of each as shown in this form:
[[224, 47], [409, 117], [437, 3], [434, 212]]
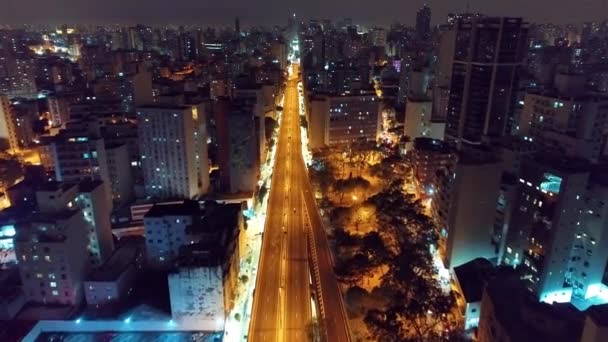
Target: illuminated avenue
[[282, 304]]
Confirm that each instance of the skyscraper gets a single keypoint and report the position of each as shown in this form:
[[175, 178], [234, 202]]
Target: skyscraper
[[423, 22], [488, 53]]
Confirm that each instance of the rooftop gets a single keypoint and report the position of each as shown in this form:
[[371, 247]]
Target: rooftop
[[185, 208], [472, 278], [89, 185], [119, 261], [54, 186], [599, 314], [523, 318], [428, 144], [558, 162], [162, 106]]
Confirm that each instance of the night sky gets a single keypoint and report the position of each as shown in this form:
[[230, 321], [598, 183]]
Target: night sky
[[254, 12]]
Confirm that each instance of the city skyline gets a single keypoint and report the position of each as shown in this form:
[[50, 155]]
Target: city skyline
[[272, 12], [353, 171]]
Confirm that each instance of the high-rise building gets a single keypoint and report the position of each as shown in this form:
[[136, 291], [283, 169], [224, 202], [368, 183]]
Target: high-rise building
[[488, 54], [429, 156], [53, 259], [173, 147], [167, 228], [26, 113], [544, 221], [464, 206], [423, 23], [8, 134], [237, 25], [565, 120], [203, 286], [58, 240], [343, 119], [279, 52], [238, 141], [17, 78], [92, 200], [120, 172], [59, 110], [132, 88], [589, 256], [253, 97], [79, 153], [318, 121], [419, 120], [80, 157], [378, 36]]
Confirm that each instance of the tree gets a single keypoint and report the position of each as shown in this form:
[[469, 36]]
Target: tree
[[419, 305], [355, 185], [373, 245], [270, 126], [322, 174]]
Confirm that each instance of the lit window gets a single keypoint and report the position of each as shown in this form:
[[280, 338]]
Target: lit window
[[53, 284], [47, 258], [55, 293]]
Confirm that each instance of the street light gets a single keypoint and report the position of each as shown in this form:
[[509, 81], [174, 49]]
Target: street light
[[354, 198]]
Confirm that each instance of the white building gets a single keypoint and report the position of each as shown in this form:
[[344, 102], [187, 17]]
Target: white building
[[343, 119], [172, 141], [203, 285], [197, 295]]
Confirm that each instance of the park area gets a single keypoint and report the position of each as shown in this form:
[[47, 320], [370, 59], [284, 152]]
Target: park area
[[382, 242]]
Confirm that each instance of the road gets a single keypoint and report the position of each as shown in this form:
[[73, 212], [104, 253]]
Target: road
[[281, 308], [333, 312]]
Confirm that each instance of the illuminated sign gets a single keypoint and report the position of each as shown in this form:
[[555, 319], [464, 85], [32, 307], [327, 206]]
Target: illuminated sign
[[551, 183], [7, 231]]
